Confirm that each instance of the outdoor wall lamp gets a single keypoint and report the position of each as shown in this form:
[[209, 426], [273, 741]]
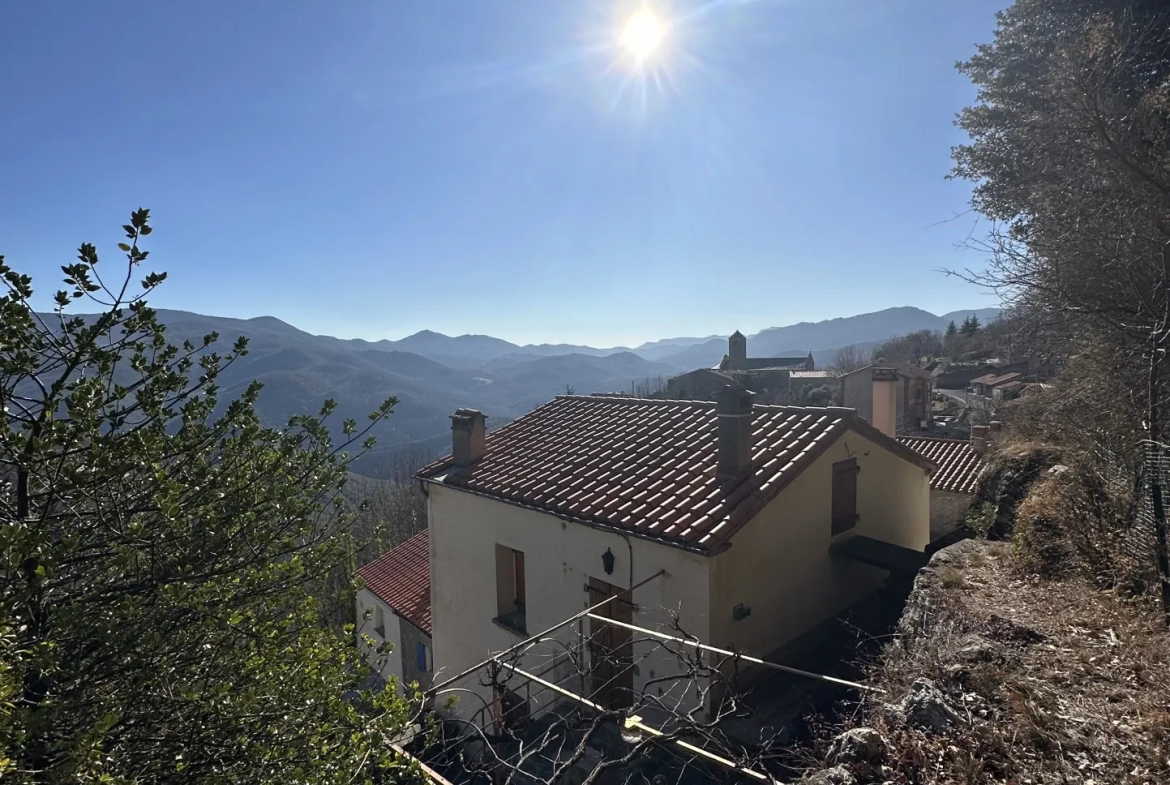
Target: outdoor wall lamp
[[607, 561]]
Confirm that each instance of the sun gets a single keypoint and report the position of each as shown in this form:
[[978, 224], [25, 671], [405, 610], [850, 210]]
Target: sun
[[643, 34]]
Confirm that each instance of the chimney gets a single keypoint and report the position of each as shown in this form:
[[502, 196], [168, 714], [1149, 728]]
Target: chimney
[[733, 409], [979, 438], [995, 430], [468, 434], [885, 400]]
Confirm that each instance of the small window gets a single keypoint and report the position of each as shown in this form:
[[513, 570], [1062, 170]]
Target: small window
[[379, 621], [511, 591], [844, 498], [518, 569], [421, 654]]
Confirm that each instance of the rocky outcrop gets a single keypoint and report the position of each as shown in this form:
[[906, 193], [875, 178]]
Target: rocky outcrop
[[838, 775], [925, 707], [924, 603], [1006, 481], [858, 745]]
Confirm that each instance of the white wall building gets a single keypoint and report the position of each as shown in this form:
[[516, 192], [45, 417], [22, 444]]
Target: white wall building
[[740, 507]]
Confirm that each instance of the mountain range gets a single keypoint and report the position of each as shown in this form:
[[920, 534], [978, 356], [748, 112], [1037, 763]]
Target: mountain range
[[433, 374]]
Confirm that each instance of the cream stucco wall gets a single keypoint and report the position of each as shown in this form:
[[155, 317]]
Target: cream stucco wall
[[780, 563], [559, 557], [388, 666]]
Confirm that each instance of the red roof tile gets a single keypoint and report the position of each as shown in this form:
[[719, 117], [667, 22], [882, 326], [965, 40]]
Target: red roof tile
[[648, 466], [401, 578], [903, 369], [958, 465]]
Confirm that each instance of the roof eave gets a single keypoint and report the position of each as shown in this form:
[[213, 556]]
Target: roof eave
[[690, 548]]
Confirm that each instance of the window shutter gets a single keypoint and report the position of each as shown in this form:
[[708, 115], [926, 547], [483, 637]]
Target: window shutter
[[421, 653]]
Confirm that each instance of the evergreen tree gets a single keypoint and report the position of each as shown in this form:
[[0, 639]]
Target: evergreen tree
[[952, 330], [970, 325], [164, 560]]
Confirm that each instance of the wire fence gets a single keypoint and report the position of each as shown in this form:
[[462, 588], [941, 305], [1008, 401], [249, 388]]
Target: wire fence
[[1139, 544]]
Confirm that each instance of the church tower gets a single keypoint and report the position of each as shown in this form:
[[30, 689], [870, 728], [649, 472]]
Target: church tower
[[737, 351]]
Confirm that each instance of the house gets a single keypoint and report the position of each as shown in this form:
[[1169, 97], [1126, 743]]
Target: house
[[767, 376], [736, 513], [394, 606], [1007, 390], [986, 385], [913, 400], [952, 486], [703, 384]]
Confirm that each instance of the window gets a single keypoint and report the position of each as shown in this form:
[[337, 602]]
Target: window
[[379, 621], [421, 654], [844, 495], [518, 571], [511, 594]]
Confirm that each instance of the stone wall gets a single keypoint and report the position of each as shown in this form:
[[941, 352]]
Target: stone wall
[[947, 511]]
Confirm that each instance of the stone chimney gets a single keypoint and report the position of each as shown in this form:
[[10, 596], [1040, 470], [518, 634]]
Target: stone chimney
[[468, 436], [733, 408], [995, 430], [885, 400], [737, 351], [979, 438]]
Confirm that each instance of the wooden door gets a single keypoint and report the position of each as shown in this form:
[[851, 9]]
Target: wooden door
[[845, 495], [611, 661]]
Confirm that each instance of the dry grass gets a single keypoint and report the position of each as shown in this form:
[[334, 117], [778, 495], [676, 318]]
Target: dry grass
[[1058, 681]]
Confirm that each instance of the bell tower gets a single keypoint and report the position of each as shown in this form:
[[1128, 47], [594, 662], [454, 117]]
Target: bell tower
[[737, 351]]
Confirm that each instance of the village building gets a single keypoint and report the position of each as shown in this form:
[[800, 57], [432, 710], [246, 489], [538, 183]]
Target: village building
[[767, 377], [913, 399], [952, 486], [736, 521], [394, 606], [737, 358], [988, 384]]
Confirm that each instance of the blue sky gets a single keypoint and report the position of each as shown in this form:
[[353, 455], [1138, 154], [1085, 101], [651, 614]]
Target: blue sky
[[373, 167]]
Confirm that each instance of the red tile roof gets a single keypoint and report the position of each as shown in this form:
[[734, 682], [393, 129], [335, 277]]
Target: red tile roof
[[994, 380], [648, 466], [958, 465], [903, 369], [401, 578]]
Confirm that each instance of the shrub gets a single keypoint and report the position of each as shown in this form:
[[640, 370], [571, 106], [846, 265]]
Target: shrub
[[1072, 520], [979, 519]]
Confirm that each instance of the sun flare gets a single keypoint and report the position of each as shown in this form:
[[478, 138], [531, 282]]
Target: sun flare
[[643, 34]]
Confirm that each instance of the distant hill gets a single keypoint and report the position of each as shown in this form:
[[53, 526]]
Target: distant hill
[[821, 338], [433, 374], [835, 333]]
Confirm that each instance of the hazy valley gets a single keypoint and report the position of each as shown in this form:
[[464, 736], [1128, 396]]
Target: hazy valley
[[432, 374]]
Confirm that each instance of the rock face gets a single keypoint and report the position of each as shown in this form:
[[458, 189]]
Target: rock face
[[838, 775], [1008, 483], [859, 745], [928, 590], [925, 707]]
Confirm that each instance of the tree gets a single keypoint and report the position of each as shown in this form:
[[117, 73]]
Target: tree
[[649, 387], [850, 358], [952, 330], [1070, 153], [970, 325], [164, 557], [911, 349]]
